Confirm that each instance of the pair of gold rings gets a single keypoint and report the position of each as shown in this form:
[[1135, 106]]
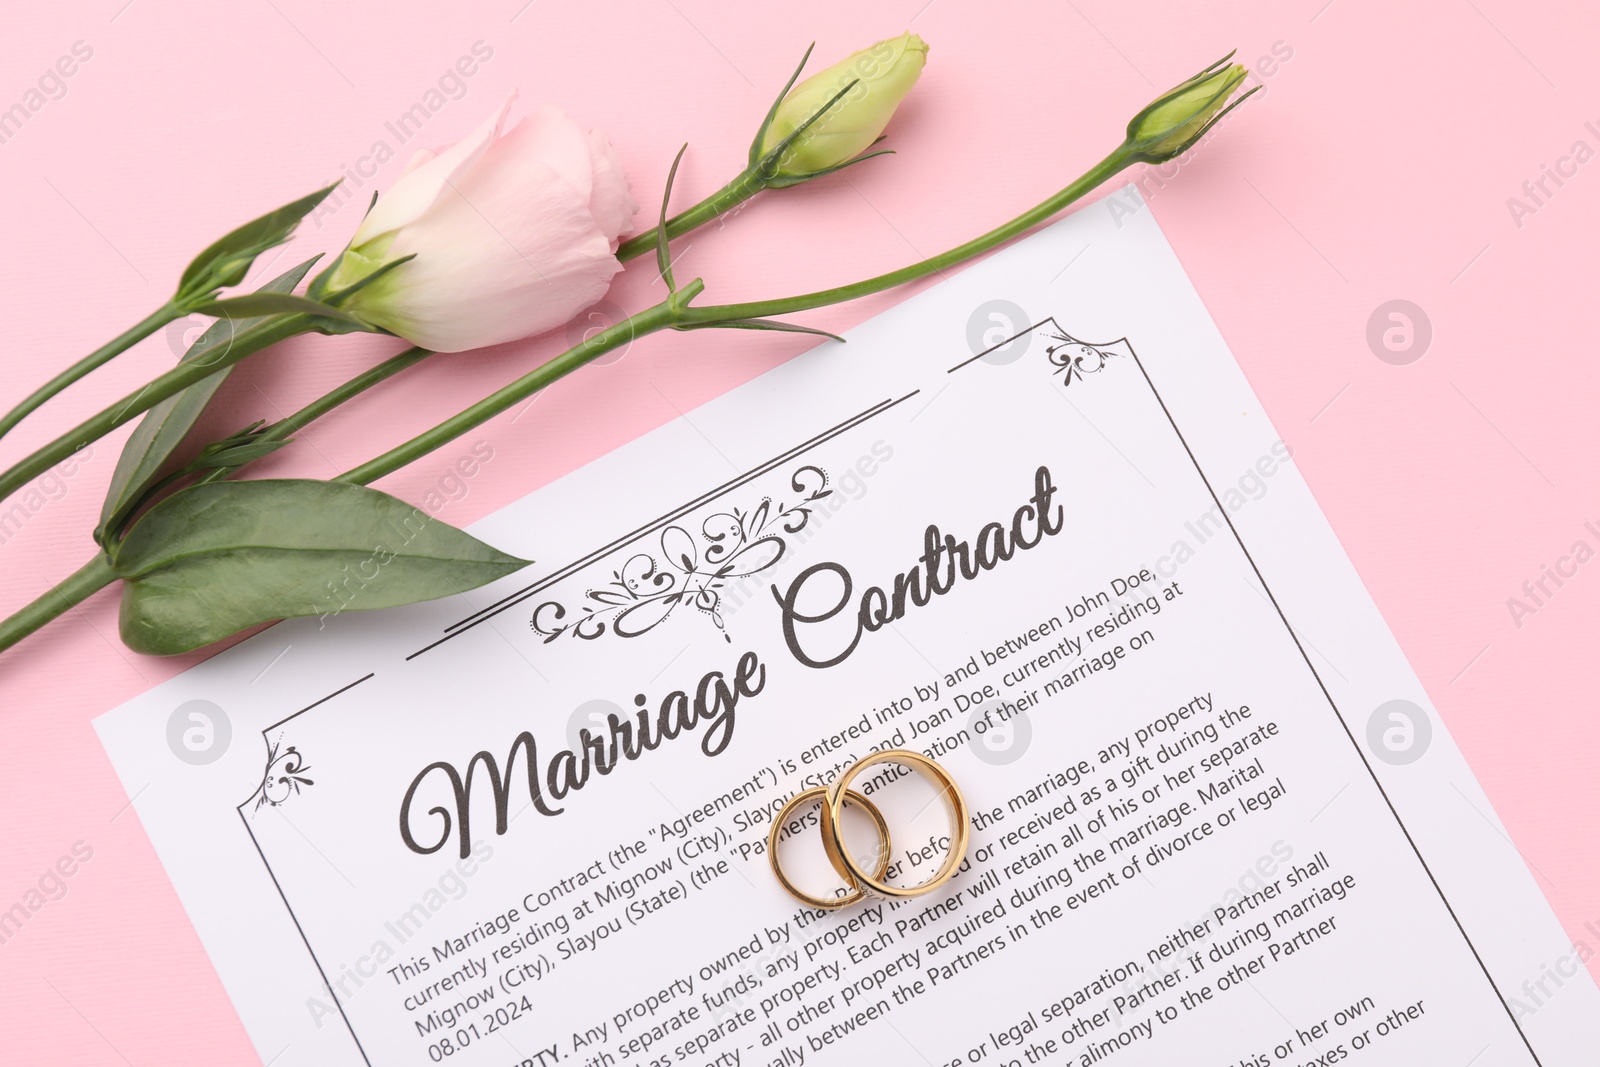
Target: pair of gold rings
[[859, 882]]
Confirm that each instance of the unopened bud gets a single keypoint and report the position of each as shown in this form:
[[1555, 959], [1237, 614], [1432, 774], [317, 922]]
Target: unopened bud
[[874, 82], [1178, 118]]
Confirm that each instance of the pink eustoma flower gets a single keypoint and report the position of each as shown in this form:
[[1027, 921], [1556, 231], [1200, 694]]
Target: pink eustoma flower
[[513, 232]]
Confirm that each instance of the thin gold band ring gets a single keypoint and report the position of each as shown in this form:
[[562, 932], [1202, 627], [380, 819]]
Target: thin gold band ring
[[853, 892]]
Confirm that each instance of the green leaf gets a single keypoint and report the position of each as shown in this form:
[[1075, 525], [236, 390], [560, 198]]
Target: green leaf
[[781, 182], [212, 560], [768, 165], [318, 289], [164, 426], [237, 454], [261, 304], [228, 258], [663, 252], [763, 324], [772, 112]]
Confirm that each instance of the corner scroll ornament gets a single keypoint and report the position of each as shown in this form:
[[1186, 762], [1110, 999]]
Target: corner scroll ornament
[[1074, 359], [688, 571], [284, 776]]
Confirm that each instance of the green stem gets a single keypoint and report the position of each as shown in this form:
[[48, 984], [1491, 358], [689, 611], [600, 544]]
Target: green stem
[[650, 320], [676, 312], [99, 357], [730, 196], [348, 391], [713, 314], [247, 342], [293, 424], [74, 590]]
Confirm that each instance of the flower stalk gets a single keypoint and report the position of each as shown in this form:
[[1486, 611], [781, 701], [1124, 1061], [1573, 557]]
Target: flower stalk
[[250, 340], [168, 312], [222, 264], [822, 126], [77, 587], [742, 188], [284, 428]]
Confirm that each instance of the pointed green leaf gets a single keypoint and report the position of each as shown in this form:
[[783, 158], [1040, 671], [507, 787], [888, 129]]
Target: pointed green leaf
[[772, 112], [259, 305], [663, 252], [318, 289], [769, 163], [228, 258], [799, 179], [237, 454], [763, 324], [212, 560], [164, 426]]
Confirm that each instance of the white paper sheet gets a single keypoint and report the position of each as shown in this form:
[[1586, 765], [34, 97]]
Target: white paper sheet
[[1218, 821]]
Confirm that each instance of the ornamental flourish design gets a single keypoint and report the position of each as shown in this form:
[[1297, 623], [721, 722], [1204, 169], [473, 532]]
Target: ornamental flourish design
[[284, 776], [1074, 359], [688, 571]]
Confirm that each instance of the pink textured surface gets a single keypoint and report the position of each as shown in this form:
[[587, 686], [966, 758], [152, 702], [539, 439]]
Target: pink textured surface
[[1377, 166]]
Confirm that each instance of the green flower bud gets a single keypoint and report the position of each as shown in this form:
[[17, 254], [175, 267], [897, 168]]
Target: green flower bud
[[874, 81], [1178, 118]]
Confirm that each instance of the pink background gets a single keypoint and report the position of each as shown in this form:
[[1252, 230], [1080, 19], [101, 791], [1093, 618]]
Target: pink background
[[1377, 166]]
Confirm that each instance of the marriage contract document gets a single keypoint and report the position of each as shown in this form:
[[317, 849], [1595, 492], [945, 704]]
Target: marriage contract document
[[1032, 523]]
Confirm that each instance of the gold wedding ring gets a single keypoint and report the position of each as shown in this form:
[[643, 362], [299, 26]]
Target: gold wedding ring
[[858, 881], [955, 804], [853, 891]]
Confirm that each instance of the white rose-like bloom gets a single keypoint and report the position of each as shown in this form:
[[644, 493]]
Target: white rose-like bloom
[[513, 234]]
